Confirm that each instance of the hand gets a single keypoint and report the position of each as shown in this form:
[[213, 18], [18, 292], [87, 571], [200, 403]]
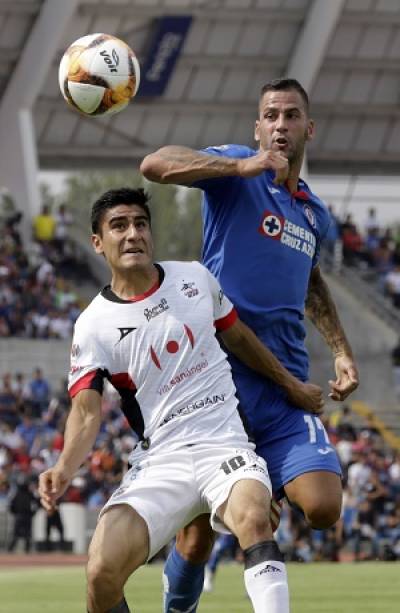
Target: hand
[[52, 485], [308, 397], [265, 160], [346, 377]]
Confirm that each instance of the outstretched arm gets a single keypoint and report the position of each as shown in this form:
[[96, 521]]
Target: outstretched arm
[[173, 164], [244, 344], [82, 427], [321, 310]]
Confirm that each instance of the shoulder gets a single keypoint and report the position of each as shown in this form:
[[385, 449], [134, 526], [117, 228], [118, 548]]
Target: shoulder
[[231, 150], [176, 267], [318, 206], [88, 317]]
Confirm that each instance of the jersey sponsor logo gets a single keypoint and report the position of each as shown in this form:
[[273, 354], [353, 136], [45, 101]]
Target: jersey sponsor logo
[[221, 147], [74, 369], [309, 213], [191, 407], [134, 472], [189, 289], [119, 491], [325, 450], [269, 568], [182, 376], [172, 346], [272, 225], [156, 310], [288, 233], [255, 468], [124, 332], [75, 350]]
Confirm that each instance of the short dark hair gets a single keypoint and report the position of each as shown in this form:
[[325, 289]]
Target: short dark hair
[[285, 85], [114, 197]]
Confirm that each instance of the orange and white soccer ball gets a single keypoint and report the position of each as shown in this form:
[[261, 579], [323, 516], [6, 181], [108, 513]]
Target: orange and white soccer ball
[[99, 74]]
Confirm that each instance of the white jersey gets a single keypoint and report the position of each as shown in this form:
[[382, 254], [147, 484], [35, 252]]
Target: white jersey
[[160, 352]]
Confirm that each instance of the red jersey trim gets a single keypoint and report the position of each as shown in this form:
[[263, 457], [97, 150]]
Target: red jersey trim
[[146, 294], [299, 194], [226, 322], [122, 380], [85, 383]]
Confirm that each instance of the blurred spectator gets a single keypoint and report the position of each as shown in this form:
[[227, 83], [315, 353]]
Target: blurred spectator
[[333, 234], [54, 520], [64, 220], [8, 402], [352, 242], [28, 431], [359, 473], [23, 506], [342, 422], [392, 282], [39, 393], [44, 226], [396, 368], [372, 224]]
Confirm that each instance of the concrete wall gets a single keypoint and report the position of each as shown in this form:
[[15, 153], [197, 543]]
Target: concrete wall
[[372, 341], [371, 338], [23, 355]]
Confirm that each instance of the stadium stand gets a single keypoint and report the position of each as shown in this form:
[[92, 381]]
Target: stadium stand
[[36, 299]]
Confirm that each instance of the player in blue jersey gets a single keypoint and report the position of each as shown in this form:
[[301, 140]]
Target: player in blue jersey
[[263, 229]]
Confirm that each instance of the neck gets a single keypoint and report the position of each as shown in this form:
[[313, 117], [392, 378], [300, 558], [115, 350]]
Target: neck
[[134, 283], [294, 174]]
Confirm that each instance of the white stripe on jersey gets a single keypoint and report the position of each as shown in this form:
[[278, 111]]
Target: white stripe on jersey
[[161, 353]]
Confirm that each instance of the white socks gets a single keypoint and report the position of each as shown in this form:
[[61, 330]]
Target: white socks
[[267, 586]]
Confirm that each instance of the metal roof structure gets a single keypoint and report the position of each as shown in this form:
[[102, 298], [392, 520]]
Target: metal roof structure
[[346, 53]]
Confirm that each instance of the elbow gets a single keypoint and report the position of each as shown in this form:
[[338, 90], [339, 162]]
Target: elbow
[[148, 168], [153, 169]]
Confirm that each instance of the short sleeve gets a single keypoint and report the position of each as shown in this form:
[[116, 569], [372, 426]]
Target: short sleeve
[[223, 184], [224, 312], [88, 366]]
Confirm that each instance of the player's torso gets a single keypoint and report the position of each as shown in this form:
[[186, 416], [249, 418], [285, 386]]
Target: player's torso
[[262, 250], [166, 346]]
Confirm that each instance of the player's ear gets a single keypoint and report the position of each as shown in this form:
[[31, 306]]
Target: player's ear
[[257, 131], [310, 129], [97, 244]]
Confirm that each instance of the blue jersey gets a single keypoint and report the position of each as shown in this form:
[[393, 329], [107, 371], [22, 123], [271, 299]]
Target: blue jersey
[[261, 242]]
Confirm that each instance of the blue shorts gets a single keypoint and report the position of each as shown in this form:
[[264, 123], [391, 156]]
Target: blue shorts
[[300, 452], [291, 441]]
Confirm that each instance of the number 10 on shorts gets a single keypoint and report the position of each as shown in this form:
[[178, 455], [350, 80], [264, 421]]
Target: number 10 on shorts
[[233, 464]]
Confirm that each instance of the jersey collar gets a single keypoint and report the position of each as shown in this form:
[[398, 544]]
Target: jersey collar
[[108, 293]]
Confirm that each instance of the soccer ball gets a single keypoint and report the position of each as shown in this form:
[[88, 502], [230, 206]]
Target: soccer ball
[[99, 74]]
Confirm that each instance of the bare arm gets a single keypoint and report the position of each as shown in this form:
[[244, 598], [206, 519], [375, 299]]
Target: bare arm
[[81, 430], [321, 310], [173, 164], [245, 345]]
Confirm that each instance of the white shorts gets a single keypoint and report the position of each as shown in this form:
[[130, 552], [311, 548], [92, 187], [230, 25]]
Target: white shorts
[[170, 489]]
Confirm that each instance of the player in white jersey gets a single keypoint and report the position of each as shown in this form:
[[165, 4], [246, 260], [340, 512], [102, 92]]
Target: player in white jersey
[[152, 334]]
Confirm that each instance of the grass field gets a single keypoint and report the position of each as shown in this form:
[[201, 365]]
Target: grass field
[[315, 588]]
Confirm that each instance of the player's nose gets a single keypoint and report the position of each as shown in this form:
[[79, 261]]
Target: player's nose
[[132, 232]]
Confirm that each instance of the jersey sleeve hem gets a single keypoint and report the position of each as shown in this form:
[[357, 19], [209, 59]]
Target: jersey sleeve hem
[[226, 322], [93, 380]]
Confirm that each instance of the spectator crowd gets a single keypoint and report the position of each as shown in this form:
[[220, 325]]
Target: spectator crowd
[[37, 299], [373, 251], [32, 419]]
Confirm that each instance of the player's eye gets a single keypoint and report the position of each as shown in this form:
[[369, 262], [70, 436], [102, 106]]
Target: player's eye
[[118, 225]]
